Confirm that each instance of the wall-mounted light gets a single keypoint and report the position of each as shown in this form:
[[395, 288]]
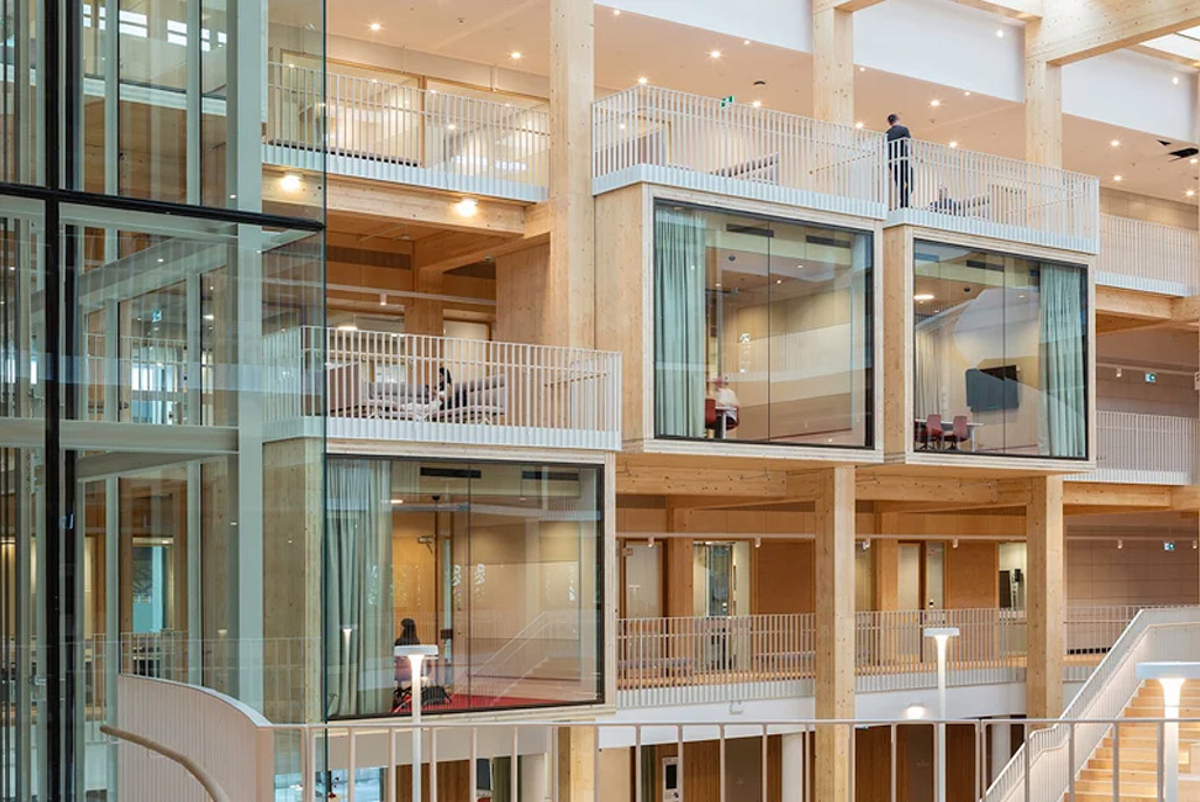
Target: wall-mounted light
[[1120, 544], [467, 207], [290, 182], [758, 542], [650, 542]]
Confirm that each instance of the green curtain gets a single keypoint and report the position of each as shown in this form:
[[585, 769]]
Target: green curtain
[[649, 773], [679, 322], [358, 570], [1062, 429], [502, 779]]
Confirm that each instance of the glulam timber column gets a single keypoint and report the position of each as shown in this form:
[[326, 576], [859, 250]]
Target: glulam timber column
[[885, 562], [577, 754], [1043, 101], [833, 63], [1046, 600], [834, 524], [571, 299]]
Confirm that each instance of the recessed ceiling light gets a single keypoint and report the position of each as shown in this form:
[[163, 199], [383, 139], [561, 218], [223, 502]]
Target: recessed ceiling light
[[1118, 177], [616, 12], [714, 54], [1116, 143], [858, 124], [643, 81], [1175, 79], [967, 94], [953, 143], [1193, 161], [862, 69], [935, 103], [290, 182], [745, 41], [515, 55], [1190, 193], [375, 26], [757, 104], [999, 33], [451, 127]]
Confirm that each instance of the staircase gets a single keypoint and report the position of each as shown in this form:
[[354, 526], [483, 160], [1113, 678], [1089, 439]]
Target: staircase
[[1138, 751]]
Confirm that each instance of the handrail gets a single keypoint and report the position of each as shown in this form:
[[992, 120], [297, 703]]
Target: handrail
[[211, 787], [1114, 674]]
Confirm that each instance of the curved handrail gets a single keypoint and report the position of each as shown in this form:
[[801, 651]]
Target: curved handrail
[[211, 787]]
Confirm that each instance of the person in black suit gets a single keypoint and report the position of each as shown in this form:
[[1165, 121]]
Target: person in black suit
[[897, 146]]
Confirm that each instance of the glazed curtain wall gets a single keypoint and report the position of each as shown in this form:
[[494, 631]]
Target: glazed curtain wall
[[762, 329], [1000, 343], [497, 564]]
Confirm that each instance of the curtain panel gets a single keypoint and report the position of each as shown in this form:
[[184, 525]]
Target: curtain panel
[[1062, 424], [358, 570], [679, 322]]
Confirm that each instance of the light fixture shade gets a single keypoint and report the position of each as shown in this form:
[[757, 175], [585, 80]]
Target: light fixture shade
[[417, 650]]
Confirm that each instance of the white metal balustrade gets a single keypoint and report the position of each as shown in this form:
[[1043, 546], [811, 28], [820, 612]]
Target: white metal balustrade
[[647, 133], [959, 190], [1150, 257], [249, 758], [1135, 448], [695, 660], [390, 131], [387, 386]]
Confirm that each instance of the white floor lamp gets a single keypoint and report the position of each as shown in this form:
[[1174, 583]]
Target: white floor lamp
[[416, 655], [941, 636]]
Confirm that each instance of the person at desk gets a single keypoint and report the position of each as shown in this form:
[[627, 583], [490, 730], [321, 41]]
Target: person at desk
[[408, 633], [725, 407]]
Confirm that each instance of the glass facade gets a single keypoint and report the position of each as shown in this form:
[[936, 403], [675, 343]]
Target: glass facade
[[762, 329], [1000, 344], [497, 564], [149, 465]]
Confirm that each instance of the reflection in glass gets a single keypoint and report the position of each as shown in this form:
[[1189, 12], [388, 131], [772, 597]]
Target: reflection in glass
[[762, 329], [495, 563], [1000, 348]]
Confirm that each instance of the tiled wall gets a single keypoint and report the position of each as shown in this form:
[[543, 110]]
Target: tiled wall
[[1142, 572]]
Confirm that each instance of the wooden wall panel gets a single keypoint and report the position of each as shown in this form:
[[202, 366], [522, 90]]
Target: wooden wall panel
[[1144, 207], [454, 780], [783, 577], [523, 300], [972, 576]]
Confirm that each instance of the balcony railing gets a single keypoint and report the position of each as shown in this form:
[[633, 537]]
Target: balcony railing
[[1135, 448], [977, 193], [668, 661], [646, 133], [385, 386], [389, 131], [1150, 257]]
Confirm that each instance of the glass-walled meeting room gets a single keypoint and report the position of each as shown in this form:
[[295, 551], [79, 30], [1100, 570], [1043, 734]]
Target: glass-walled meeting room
[[762, 329], [1000, 353], [499, 565]]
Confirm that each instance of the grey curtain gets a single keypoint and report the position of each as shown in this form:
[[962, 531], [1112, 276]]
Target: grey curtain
[[679, 324], [358, 570], [929, 385], [1062, 429]]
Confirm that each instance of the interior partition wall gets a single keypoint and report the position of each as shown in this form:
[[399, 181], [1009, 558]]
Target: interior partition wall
[[497, 564], [147, 255], [762, 329], [1000, 349]]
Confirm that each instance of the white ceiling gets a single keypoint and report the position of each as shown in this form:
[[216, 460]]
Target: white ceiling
[[629, 46]]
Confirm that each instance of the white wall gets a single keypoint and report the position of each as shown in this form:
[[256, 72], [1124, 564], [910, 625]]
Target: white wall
[[1134, 91], [784, 23]]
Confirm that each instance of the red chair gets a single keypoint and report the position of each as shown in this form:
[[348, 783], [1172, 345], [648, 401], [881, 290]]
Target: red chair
[[961, 432], [933, 430]]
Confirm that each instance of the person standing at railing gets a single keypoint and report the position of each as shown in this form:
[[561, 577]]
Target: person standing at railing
[[897, 146]]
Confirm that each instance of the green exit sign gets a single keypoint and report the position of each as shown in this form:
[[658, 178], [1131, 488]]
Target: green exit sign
[[728, 100]]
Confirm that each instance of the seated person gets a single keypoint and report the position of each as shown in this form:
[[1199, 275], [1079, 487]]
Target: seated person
[[726, 405], [944, 203]]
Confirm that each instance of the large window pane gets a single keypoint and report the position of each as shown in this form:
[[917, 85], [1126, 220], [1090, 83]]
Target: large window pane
[[497, 564], [762, 329], [1000, 349]]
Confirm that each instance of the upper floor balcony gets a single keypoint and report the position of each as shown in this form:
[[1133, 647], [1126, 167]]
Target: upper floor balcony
[[386, 128], [661, 136], [1136, 448], [417, 388], [1150, 257], [953, 189]]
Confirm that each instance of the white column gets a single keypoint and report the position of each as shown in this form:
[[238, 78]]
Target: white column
[[535, 777], [792, 767], [1001, 735]]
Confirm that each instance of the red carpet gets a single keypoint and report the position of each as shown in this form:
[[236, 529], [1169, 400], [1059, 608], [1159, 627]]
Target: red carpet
[[466, 701]]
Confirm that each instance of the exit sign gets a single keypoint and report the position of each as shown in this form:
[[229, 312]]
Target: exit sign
[[728, 100]]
